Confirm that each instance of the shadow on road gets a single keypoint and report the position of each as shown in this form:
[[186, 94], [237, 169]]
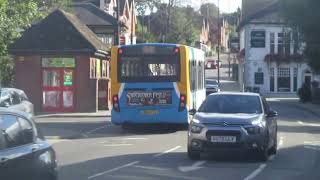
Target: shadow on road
[[79, 130]]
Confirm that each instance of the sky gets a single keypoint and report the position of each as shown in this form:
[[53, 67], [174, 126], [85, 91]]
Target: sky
[[226, 6]]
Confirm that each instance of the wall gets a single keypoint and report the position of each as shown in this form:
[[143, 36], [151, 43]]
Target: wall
[[28, 78], [254, 57], [86, 88]]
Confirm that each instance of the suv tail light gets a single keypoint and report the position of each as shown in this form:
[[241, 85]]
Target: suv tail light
[[115, 103], [182, 104]]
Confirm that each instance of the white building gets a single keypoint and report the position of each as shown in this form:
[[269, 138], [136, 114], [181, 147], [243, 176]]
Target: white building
[[271, 59]]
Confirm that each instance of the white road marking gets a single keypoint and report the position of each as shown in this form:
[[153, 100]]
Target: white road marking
[[312, 142], [166, 152], [309, 124], [94, 130], [54, 141], [281, 142], [195, 166], [114, 169], [314, 145], [117, 145], [256, 172], [135, 138], [150, 168]]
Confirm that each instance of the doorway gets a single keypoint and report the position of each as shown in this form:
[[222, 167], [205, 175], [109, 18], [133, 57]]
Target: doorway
[[58, 90]]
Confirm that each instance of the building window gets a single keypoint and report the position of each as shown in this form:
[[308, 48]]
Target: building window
[[283, 79], [280, 43], [287, 42], [258, 39], [295, 79], [92, 68], [258, 78], [107, 39], [271, 74], [296, 42]]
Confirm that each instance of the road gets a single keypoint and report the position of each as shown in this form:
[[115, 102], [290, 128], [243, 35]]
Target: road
[[104, 151]]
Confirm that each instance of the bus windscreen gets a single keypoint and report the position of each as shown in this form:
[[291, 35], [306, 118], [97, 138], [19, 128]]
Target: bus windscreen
[[149, 69]]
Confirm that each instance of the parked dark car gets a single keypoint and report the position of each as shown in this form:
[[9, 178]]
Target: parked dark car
[[15, 99], [212, 86], [24, 153], [229, 122]]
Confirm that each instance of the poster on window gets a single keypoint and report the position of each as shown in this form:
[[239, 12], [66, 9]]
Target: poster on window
[[149, 98]]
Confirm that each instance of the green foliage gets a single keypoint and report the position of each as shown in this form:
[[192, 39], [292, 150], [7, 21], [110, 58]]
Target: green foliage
[[304, 93], [7, 71], [143, 35], [182, 30], [306, 22]]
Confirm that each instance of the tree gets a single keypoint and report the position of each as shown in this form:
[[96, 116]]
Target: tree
[[307, 23], [15, 17]]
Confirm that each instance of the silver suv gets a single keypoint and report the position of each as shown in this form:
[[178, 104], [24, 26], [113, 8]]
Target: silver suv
[[233, 122]]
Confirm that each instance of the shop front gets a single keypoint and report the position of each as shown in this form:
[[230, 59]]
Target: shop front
[[62, 69], [58, 84]]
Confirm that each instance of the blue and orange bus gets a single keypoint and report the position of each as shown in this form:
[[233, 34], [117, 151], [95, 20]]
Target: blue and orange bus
[[156, 83]]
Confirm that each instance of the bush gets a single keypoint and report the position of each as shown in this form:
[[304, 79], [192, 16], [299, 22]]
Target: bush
[[304, 93], [6, 71]]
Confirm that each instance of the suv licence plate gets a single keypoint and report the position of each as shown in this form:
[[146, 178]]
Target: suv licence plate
[[223, 139]]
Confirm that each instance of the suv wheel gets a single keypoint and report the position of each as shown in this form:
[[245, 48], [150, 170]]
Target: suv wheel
[[194, 155], [263, 154], [273, 149]]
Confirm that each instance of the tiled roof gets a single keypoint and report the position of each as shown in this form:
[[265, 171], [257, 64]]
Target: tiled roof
[[267, 14], [92, 15], [58, 32]]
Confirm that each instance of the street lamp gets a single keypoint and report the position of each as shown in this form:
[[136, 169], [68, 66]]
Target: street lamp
[[219, 39], [118, 22]]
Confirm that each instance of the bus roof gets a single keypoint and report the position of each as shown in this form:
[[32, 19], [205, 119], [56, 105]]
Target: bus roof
[[153, 44]]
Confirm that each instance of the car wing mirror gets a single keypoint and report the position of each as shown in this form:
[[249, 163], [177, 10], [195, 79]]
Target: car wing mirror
[[192, 112], [272, 113], [4, 104]]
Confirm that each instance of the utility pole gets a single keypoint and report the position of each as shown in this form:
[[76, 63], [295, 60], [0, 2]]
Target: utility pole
[[168, 20], [118, 22], [132, 20], [219, 39]]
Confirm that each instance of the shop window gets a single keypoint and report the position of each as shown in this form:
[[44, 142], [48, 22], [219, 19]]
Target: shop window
[[51, 78], [258, 78], [98, 68], [104, 69], [271, 74], [283, 79], [92, 68]]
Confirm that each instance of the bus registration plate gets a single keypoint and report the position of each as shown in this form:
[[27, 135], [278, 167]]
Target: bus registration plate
[[150, 112]]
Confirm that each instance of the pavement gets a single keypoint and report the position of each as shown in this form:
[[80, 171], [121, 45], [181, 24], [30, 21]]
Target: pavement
[[311, 108], [87, 114]]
